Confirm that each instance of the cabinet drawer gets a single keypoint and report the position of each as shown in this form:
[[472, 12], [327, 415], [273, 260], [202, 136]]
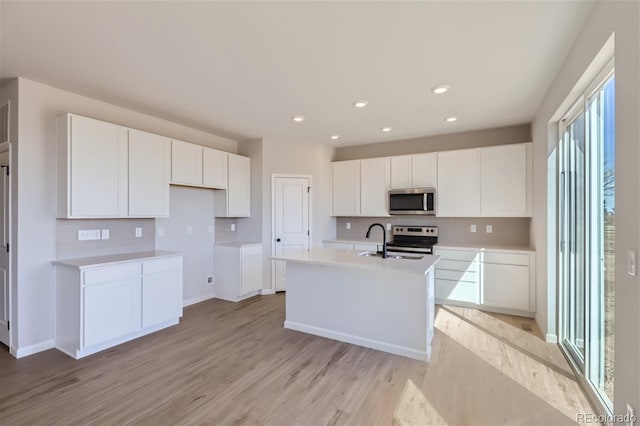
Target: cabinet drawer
[[161, 265], [456, 291], [507, 258], [112, 273], [457, 265], [457, 255], [467, 276], [364, 246], [251, 250], [335, 245]]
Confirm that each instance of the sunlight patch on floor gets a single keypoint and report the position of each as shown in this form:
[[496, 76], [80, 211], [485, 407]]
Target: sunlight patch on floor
[[414, 408]]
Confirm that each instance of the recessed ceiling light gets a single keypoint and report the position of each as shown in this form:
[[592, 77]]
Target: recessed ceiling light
[[451, 119], [360, 104], [439, 90], [335, 137], [298, 118], [387, 129]]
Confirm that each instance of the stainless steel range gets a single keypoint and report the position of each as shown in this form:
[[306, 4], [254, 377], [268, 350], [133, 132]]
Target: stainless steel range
[[413, 239]]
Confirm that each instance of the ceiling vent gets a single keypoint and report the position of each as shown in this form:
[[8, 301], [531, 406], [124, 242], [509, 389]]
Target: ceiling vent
[[4, 122]]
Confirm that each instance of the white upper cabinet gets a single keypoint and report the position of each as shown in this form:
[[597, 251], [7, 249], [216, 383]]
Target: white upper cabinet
[[424, 170], [214, 168], [149, 171], [235, 201], [401, 172], [414, 171], [375, 179], [505, 180], [186, 163], [345, 188], [458, 183], [92, 168]]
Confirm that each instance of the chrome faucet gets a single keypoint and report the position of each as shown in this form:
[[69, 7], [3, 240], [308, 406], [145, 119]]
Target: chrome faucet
[[384, 238]]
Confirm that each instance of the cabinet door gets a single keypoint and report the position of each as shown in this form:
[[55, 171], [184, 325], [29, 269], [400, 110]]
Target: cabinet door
[[251, 274], [239, 186], [186, 163], [401, 172], [374, 186], [111, 310], [345, 188], [214, 168], [161, 296], [505, 180], [97, 168], [506, 286], [149, 169], [424, 170], [458, 183]]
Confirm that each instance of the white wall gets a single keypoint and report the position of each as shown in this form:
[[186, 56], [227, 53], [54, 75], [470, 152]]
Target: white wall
[[607, 17], [190, 207], [288, 157], [36, 193]]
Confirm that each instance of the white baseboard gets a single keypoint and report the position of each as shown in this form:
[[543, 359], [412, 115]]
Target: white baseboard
[[551, 338], [268, 291], [198, 299], [360, 341], [33, 349]]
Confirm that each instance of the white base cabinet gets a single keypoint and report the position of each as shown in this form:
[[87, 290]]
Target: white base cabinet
[[494, 280], [98, 307], [238, 270]]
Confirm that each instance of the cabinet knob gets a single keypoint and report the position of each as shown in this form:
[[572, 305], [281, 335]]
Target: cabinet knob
[[277, 240]]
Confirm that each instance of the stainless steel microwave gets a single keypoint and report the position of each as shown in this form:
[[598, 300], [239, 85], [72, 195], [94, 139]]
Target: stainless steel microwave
[[413, 201]]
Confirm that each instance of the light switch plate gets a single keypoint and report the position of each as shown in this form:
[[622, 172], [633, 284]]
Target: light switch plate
[[388, 227], [631, 263], [348, 225], [233, 227], [104, 234], [138, 231], [489, 229], [88, 234], [210, 228], [160, 231], [473, 228]]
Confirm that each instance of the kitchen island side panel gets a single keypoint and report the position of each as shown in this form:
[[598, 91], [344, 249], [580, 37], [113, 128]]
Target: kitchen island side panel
[[384, 310]]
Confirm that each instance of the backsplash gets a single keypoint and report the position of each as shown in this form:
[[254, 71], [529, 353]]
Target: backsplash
[[508, 232], [223, 229], [122, 237]]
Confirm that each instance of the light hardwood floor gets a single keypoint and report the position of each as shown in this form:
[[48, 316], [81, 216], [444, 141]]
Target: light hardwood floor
[[234, 363]]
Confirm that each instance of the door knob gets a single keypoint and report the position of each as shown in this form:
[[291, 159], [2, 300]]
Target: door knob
[[277, 240]]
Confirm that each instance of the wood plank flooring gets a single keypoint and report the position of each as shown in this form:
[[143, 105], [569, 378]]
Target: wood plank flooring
[[234, 364]]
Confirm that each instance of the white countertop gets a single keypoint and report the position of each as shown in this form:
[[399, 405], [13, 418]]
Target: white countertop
[[351, 258], [111, 259], [238, 243], [484, 247]]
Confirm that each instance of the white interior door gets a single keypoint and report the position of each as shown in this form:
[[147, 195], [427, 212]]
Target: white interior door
[[4, 256], [290, 222]]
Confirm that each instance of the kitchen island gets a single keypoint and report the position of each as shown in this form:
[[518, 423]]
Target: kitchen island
[[383, 304]]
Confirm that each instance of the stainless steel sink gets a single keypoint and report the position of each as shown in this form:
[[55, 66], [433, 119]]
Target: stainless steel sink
[[390, 255]]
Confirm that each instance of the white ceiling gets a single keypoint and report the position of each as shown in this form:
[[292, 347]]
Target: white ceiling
[[243, 69]]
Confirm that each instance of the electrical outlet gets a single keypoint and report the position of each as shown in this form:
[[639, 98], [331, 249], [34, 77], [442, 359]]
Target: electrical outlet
[[489, 229], [160, 231], [473, 228], [631, 416], [88, 234], [348, 225], [233, 227], [631, 263], [388, 227], [104, 234], [138, 231], [189, 229], [210, 228], [209, 279]]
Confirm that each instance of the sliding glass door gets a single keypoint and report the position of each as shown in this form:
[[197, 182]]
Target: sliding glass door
[[586, 239]]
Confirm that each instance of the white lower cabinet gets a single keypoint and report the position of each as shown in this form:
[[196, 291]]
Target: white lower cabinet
[[98, 307], [238, 270], [500, 281]]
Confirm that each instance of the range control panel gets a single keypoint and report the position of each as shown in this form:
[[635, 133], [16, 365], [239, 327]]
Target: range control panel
[[415, 231]]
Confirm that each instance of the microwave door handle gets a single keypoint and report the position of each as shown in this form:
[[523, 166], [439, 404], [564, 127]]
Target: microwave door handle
[[425, 203]]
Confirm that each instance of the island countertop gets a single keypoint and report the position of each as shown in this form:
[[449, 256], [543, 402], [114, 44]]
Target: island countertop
[[352, 259]]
